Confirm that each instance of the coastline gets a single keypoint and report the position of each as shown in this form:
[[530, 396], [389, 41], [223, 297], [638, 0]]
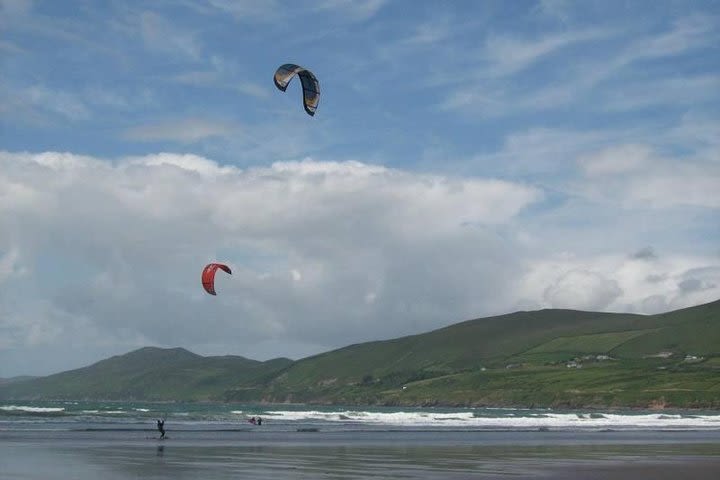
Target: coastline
[[119, 441]]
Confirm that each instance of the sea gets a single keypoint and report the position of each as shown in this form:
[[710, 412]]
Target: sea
[[119, 440]]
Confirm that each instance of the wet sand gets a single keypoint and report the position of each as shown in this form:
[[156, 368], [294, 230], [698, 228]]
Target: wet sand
[[109, 456], [674, 468]]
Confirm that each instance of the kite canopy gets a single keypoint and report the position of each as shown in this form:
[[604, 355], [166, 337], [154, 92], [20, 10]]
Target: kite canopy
[[208, 276], [310, 85]]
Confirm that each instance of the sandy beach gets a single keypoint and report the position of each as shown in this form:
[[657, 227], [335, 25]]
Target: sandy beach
[[123, 455]]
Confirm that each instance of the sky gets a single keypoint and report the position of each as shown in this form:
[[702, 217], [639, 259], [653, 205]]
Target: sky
[[467, 159]]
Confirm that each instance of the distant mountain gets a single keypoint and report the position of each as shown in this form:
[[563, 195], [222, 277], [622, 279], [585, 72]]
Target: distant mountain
[[546, 357], [150, 374], [5, 381]]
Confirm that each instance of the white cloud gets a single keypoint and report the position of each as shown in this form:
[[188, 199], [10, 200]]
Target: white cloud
[[620, 283], [65, 104], [673, 185], [680, 91], [43, 105], [160, 35], [616, 160], [698, 132], [492, 95], [635, 176], [583, 289], [10, 8], [559, 9], [645, 253], [189, 162], [198, 78], [272, 11], [11, 47], [694, 286], [105, 97], [352, 9], [323, 253], [224, 73], [243, 10], [430, 33], [686, 34], [10, 265], [510, 55], [541, 150], [216, 79], [183, 130], [14, 194], [252, 89], [654, 304]]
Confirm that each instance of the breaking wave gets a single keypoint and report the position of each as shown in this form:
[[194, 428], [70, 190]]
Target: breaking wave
[[292, 417], [30, 410]]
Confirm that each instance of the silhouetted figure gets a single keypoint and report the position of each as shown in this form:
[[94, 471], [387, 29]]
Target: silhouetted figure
[[161, 428], [259, 421]]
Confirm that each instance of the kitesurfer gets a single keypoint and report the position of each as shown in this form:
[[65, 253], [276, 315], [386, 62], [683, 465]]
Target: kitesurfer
[[161, 427]]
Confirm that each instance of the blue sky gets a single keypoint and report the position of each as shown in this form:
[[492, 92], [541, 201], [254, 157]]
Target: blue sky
[[466, 159]]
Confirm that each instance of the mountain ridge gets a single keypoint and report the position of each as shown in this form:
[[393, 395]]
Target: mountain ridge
[[552, 357]]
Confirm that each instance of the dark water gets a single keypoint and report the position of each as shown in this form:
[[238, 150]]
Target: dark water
[[67, 415], [102, 440]]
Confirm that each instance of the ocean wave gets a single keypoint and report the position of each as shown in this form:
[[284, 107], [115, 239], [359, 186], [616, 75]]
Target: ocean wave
[[29, 410], [529, 420], [359, 418]]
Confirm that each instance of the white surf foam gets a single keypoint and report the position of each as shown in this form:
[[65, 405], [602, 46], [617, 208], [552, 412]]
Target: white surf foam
[[517, 420], [26, 408]]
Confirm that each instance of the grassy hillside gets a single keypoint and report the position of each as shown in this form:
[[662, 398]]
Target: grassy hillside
[[541, 358], [525, 358], [150, 374], [595, 385]]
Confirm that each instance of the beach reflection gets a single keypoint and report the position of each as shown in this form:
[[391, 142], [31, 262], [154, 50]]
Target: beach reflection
[[124, 462]]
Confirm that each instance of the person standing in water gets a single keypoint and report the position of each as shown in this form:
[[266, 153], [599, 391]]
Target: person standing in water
[[161, 427]]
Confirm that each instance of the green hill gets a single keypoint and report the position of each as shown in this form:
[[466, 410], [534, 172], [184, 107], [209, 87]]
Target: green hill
[[546, 357], [150, 374], [522, 358]]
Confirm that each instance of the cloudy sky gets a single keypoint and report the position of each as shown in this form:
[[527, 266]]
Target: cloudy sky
[[467, 159]]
